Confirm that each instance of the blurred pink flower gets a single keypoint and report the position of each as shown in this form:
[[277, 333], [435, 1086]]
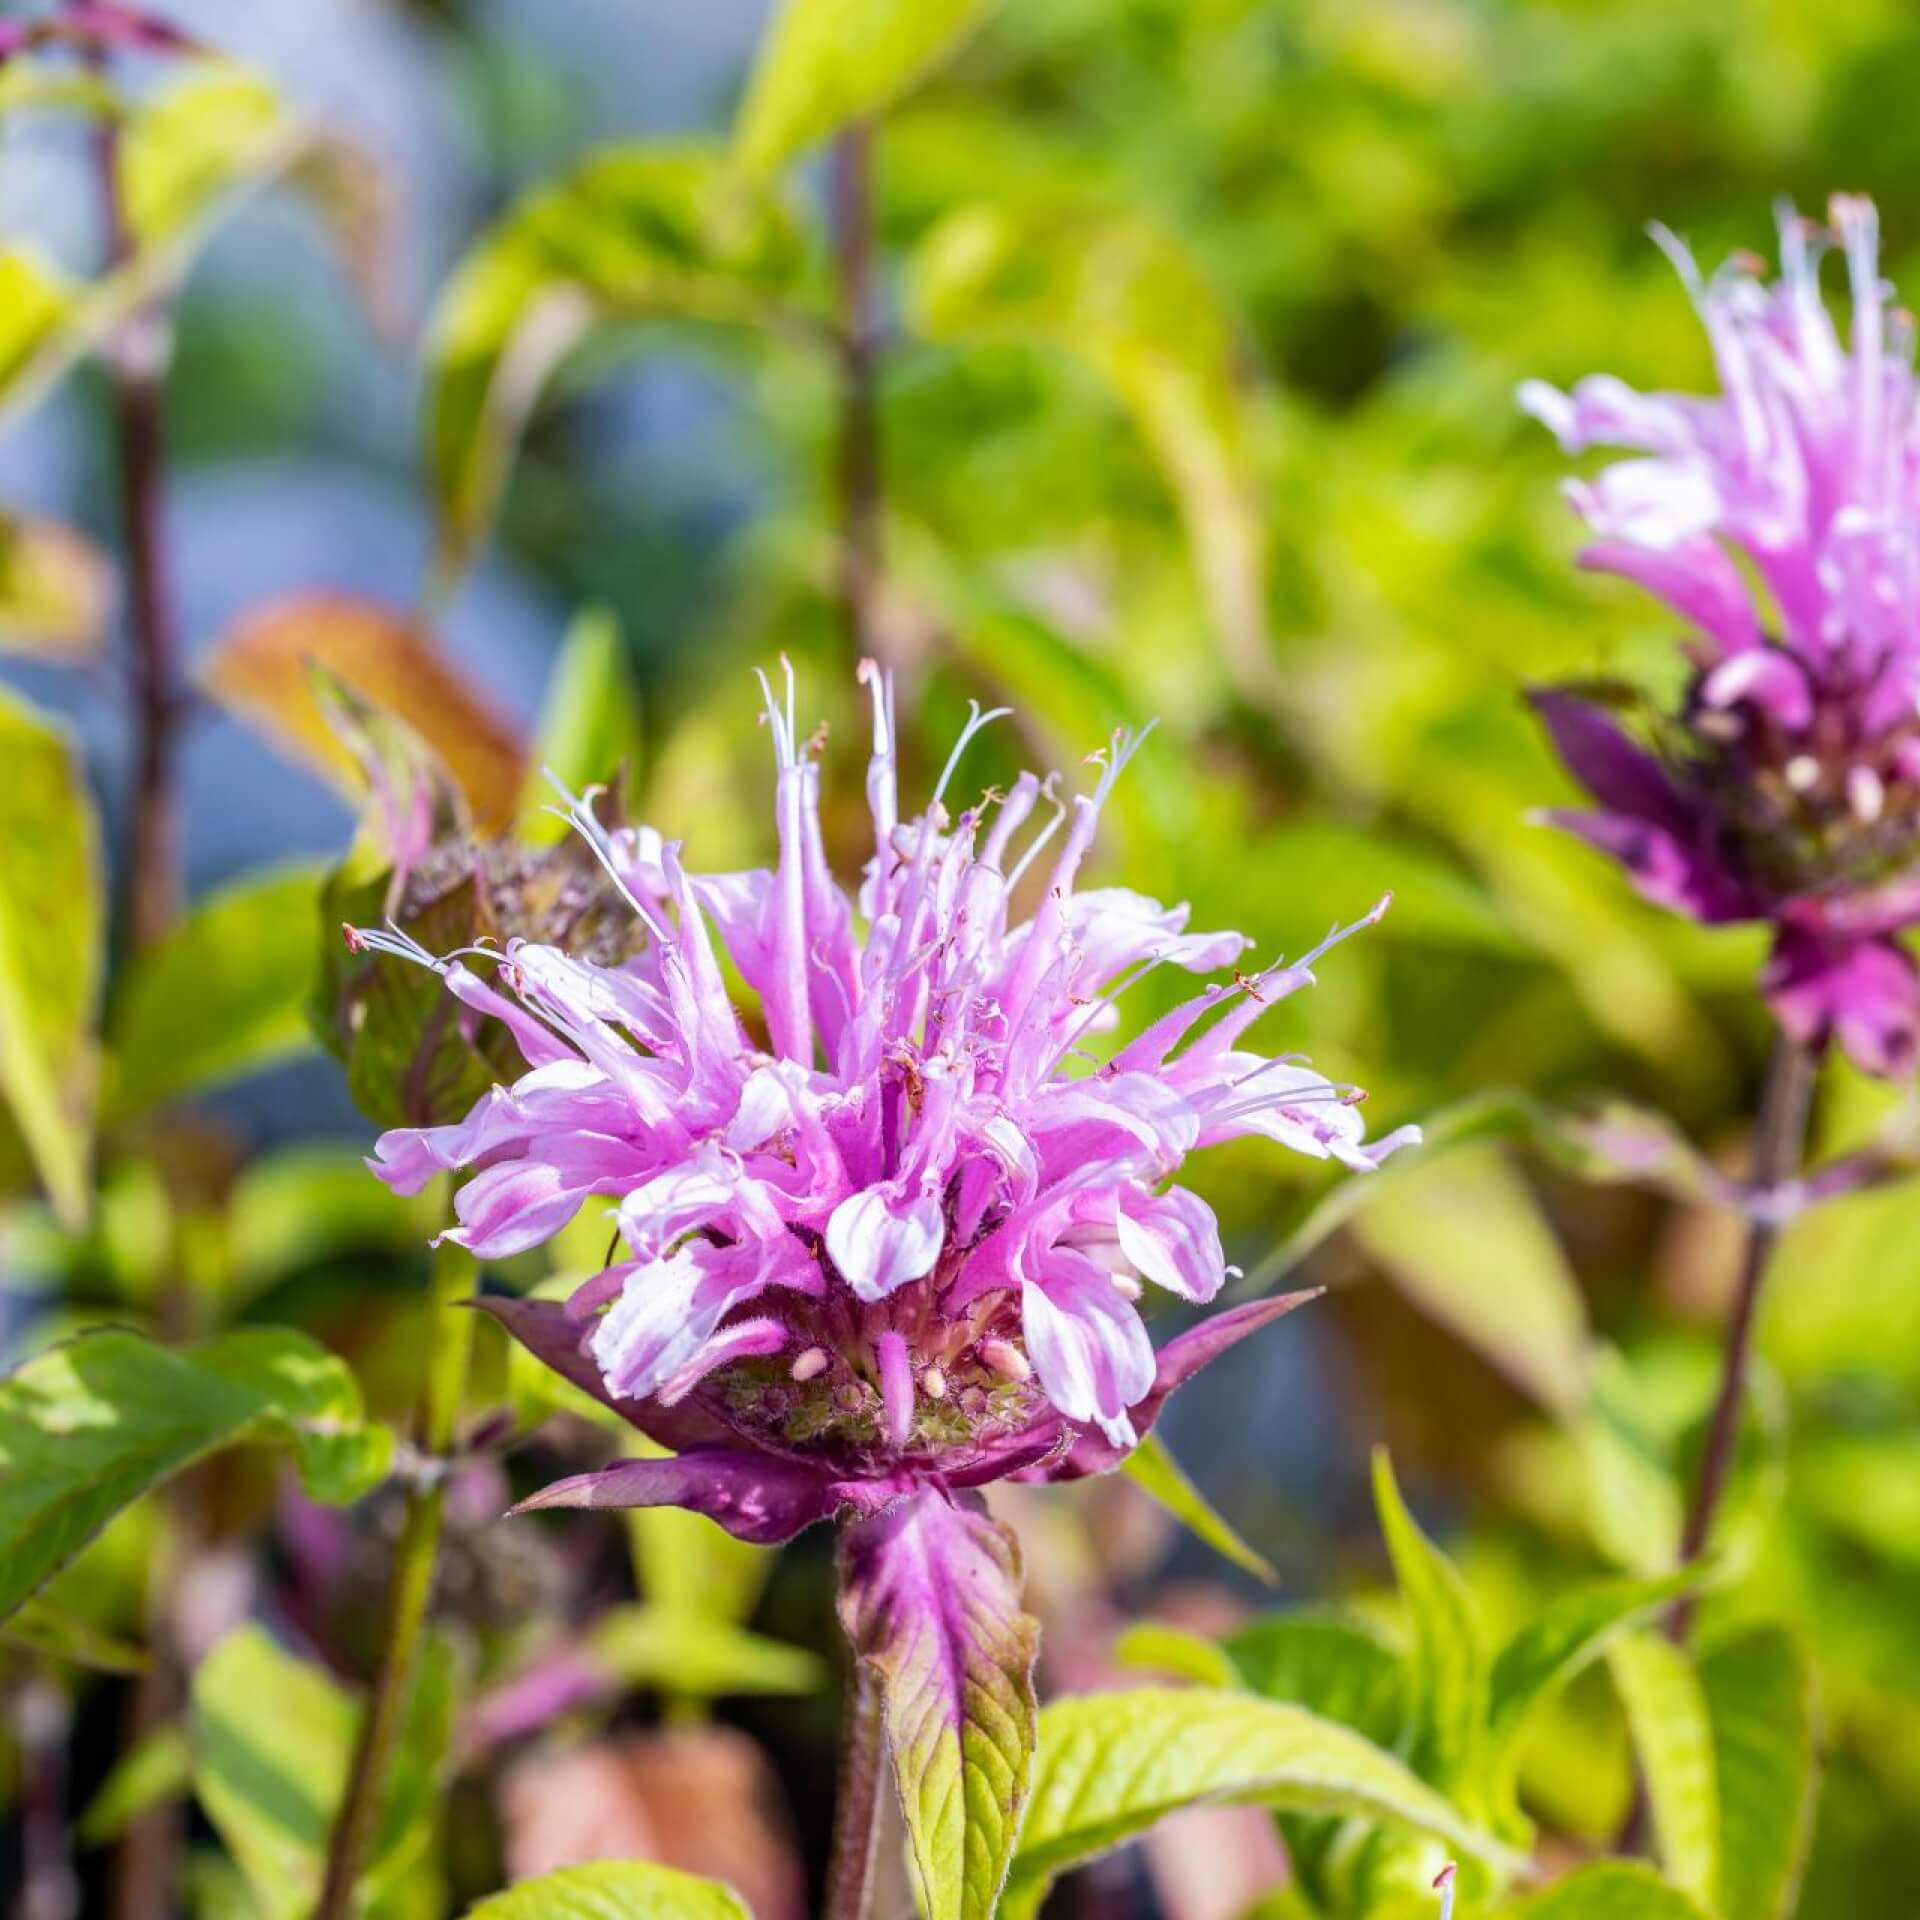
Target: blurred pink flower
[[1789, 788], [896, 1239]]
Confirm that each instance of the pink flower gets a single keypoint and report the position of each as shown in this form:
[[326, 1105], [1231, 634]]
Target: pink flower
[[889, 1230], [1790, 789]]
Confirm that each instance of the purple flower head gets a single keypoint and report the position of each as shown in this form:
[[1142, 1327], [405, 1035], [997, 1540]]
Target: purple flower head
[[887, 1230], [1787, 789]]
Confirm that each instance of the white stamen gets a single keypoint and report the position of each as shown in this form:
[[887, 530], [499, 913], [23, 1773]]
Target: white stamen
[[935, 1383], [1866, 795], [1803, 773], [810, 1365]]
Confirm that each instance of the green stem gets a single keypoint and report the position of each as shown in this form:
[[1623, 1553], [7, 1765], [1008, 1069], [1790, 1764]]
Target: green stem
[[857, 1810], [451, 1335]]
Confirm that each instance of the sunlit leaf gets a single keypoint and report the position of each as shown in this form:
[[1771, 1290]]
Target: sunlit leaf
[[1155, 1647], [1760, 1703], [52, 926], [634, 233], [825, 63], [590, 728], [1333, 1665], [35, 298], [1463, 1237], [1113, 1764], [1125, 297], [89, 1426], [930, 1598], [1667, 1713], [682, 1652], [1153, 1469], [272, 1738], [56, 589], [224, 992], [613, 1890], [1447, 1669], [263, 670]]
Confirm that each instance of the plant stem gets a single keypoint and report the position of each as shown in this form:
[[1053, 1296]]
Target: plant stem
[[1779, 1140], [451, 1334], [857, 1808], [137, 361], [851, 194]]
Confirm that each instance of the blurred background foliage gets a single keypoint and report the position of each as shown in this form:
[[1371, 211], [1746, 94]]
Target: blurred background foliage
[[1198, 326]]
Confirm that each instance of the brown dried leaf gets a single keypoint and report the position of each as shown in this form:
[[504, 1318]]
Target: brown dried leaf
[[262, 670]]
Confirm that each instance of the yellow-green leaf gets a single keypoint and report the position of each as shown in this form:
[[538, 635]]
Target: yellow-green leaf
[[590, 733], [824, 63], [1153, 1469], [1667, 1712], [614, 1890], [52, 927], [56, 590]]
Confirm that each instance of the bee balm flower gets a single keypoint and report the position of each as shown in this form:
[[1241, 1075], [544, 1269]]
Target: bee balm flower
[[891, 1233], [1787, 789]]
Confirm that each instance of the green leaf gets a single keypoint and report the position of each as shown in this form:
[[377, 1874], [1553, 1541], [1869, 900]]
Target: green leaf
[[225, 992], [1464, 1238], [682, 1652], [272, 1738], [44, 1626], [614, 1890], [88, 1427], [930, 1599], [1667, 1713], [1761, 1705], [151, 1774], [1560, 1639], [1126, 298], [1331, 1664], [1153, 1469], [1611, 1890], [1448, 1664], [826, 63], [1156, 1647], [590, 729], [1112, 1764], [634, 233], [52, 930]]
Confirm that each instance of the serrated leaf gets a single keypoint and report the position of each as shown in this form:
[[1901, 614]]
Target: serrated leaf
[[826, 63], [89, 1426], [56, 589], [930, 1599], [1611, 1890], [272, 1738], [1447, 1667], [1761, 1706], [1153, 1469], [1113, 1764], [1667, 1715], [43, 1626], [682, 1652], [52, 933], [224, 992], [633, 233], [1465, 1240], [262, 669], [590, 728], [614, 1890], [1560, 1639]]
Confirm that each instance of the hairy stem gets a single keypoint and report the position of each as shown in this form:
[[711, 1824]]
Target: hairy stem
[[859, 452], [1779, 1140], [450, 1329], [857, 1810]]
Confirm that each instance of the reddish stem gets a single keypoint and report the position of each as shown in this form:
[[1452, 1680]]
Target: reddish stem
[[857, 1807]]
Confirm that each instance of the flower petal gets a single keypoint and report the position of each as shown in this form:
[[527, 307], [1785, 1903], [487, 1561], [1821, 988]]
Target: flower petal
[[878, 1243], [1171, 1239], [1088, 1345]]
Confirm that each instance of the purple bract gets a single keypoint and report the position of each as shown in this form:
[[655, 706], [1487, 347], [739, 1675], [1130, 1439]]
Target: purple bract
[[888, 1230], [1787, 789]]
